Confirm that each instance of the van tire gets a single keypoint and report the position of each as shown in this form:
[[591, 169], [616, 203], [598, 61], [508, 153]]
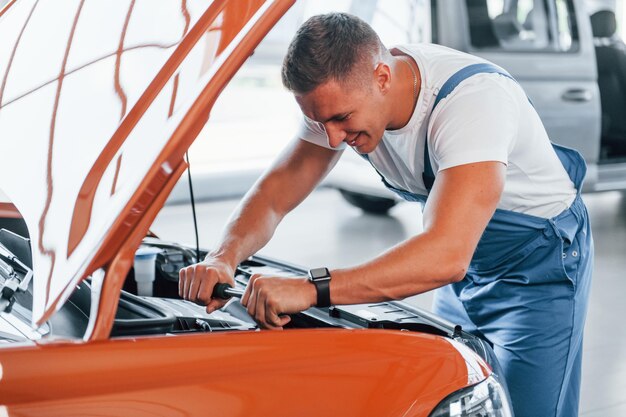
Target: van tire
[[369, 204]]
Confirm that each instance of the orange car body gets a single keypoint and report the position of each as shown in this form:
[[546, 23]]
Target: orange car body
[[78, 147], [290, 373]]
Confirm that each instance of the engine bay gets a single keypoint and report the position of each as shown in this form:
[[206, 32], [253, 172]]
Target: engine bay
[[165, 313]]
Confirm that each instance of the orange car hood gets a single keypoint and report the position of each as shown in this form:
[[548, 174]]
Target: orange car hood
[[98, 103]]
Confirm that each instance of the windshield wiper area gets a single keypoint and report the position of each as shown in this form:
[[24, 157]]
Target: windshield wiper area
[[16, 277]]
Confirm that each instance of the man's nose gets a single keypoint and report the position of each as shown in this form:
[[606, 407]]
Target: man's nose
[[336, 135]]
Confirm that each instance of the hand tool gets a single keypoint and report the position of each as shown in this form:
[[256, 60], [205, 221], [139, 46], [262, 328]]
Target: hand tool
[[224, 291]]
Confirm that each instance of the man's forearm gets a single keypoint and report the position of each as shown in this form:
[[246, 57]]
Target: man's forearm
[[249, 228], [459, 207], [293, 176], [415, 266]]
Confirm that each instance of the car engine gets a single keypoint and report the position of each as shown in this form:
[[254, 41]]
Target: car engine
[[165, 313]]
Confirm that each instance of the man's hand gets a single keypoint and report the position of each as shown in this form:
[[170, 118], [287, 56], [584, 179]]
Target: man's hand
[[196, 282], [266, 298]]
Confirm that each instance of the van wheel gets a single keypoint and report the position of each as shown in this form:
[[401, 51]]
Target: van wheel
[[368, 203]]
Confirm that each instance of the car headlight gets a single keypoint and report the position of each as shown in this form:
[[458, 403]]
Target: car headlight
[[486, 399]]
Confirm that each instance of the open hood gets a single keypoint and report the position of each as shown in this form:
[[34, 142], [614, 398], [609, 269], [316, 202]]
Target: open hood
[[98, 103]]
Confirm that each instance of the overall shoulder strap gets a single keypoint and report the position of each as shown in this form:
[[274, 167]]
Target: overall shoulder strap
[[428, 176], [382, 177]]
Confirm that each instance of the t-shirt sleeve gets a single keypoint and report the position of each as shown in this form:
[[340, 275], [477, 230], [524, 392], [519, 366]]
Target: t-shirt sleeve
[[478, 122], [314, 132]]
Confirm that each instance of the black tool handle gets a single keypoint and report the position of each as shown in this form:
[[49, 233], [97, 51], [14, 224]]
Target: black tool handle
[[224, 291]]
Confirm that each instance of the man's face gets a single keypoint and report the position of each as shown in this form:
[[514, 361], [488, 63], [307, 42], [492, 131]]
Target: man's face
[[354, 115]]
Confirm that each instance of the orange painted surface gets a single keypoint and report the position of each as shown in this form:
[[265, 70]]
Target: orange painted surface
[[289, 373], [6, 7], [8, 210], [292, 373]]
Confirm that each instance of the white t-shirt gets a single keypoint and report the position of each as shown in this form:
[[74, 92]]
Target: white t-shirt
[[486, 118]]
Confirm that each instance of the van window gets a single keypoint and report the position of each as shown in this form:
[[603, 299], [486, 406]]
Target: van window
[[523, 25]]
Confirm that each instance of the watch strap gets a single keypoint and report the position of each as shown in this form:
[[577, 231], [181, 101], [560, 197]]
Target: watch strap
[[320, 277], [323, 292]]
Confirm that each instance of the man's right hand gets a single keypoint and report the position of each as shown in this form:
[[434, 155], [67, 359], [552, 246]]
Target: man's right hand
[[196, 282]]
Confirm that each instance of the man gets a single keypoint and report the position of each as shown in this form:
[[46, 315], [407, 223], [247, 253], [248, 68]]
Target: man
[[506, 236]]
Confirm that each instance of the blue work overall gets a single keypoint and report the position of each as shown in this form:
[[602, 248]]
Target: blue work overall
[[526, 289]]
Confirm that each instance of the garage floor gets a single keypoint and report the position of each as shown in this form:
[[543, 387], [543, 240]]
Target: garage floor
[[326, 231]]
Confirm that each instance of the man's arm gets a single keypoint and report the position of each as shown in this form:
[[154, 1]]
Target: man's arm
[[291, 178], [459, 207]]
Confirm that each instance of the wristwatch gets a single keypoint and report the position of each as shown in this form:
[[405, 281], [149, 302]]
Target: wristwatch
[[320, 277]]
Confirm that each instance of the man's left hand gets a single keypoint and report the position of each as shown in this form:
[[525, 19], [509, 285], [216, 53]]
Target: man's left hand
[[268, 299]]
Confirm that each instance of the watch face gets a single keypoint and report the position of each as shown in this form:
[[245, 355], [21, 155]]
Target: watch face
[[317, 273]]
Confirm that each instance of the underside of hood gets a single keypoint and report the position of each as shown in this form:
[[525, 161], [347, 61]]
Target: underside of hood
[[98, 103]]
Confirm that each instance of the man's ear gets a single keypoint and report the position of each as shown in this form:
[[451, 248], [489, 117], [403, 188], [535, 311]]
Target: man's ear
[[382, 77]]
